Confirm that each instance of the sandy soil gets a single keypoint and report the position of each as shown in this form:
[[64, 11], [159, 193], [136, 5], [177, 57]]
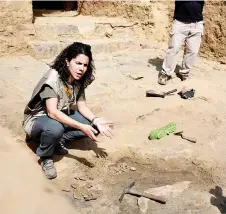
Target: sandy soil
[[23, 187], [93, 175]]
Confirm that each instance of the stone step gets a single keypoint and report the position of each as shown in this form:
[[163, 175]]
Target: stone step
[[45, 50], [82, 27]]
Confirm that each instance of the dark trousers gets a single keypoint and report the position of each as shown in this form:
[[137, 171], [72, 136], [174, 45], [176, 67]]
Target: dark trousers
[[48, 133]]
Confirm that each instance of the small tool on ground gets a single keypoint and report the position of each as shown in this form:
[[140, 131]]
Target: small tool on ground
[[193, 140], [187, 93], [156, 93], [127, 190]]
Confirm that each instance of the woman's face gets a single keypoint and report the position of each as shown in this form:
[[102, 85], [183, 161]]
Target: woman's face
[[78, 66]]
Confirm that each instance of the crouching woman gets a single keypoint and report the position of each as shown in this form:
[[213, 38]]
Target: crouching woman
[[48, 117]]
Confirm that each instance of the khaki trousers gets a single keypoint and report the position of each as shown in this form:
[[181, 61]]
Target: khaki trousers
[[189, 33]]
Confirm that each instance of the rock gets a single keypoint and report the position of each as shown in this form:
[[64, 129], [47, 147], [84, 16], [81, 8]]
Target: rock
[[135, 77], [86, 192], [66, 189], [132, 168], [88, 185], [109, 210], [168, 191], [50, 49], [142, 204], [77, 195], [80, 192], [130, 200], [103, 205], [86, 29], [74, 186], [97, 187], [92, 195], [44, 31], [108, 35], [81, 178], [124, 165], [91, 177]]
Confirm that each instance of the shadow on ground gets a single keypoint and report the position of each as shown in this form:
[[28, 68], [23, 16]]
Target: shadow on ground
[[157, 62], [218, 199], [83, 144], [86, 144]]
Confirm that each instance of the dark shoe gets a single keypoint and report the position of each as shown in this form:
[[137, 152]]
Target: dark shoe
[[163, 79], [183, 75], [60, 149], [49, 168]]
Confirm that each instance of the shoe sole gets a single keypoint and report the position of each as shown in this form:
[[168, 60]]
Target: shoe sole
[[163, 83], [160, 83], [50, 177]]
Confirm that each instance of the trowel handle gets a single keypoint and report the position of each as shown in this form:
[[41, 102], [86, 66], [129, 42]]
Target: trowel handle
[[149, 196], [172, 91], [191, 139]]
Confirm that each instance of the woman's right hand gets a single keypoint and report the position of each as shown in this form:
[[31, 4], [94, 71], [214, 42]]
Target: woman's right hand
[[89, 131]]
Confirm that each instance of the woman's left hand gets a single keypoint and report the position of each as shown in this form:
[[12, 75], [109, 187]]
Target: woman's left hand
[[104, 127]]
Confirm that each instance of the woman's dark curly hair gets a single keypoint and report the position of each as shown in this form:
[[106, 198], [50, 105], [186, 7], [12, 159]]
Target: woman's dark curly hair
[[69, 53]]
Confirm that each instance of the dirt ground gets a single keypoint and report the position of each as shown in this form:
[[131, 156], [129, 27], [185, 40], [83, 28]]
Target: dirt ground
[[91, 178]]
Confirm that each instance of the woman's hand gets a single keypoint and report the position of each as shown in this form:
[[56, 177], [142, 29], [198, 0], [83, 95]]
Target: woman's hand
[[89, 131], [104, 127]]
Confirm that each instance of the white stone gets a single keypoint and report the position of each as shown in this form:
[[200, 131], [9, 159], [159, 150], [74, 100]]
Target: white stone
[[142, 204], [168, 192], [132, 168]]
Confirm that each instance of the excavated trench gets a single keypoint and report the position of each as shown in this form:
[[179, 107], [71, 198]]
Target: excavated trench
[[94, 185], [96, 188]]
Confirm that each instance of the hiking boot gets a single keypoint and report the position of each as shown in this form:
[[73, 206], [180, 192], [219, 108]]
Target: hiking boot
[[60, 149], [163, 79], [183, 74], [49, 168]]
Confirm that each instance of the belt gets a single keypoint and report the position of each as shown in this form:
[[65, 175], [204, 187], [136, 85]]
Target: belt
[[188, 21]]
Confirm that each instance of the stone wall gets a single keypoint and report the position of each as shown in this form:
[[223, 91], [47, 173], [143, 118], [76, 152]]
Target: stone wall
[[15, 27], [156, 18]]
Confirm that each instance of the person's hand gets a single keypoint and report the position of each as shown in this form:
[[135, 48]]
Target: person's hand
[[104, 127], [89, 131]]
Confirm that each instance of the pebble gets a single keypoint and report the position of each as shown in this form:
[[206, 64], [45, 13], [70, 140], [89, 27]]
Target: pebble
[[66, 189], [143, 205], [132, 168], [74, 186], [77, 195]]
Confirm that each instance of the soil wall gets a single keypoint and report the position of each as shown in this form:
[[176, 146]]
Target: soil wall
[[15, 27], [156, 18]]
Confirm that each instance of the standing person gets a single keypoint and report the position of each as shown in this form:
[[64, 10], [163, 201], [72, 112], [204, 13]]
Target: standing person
[[187, 27], [49, 119]]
